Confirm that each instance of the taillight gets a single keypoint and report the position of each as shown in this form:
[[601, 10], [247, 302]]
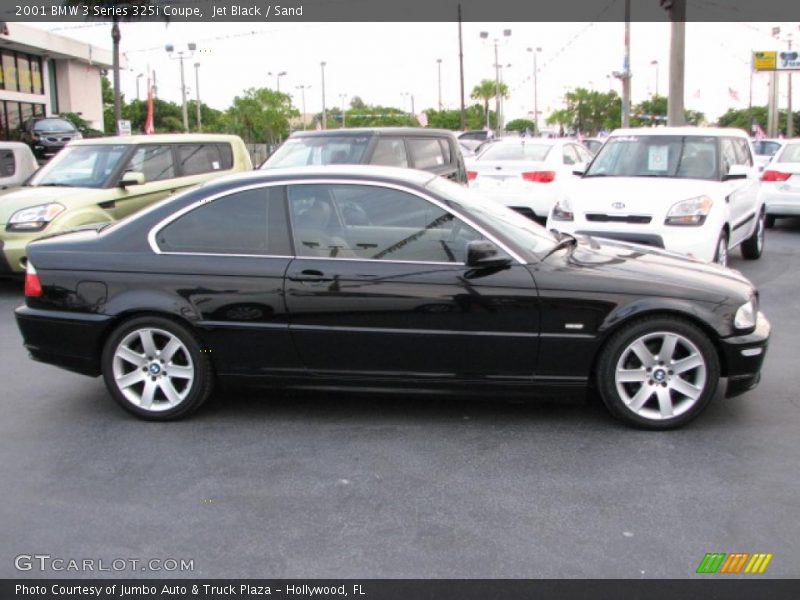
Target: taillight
[[471, 175], [770, 175], [33, 287], [539, 176]]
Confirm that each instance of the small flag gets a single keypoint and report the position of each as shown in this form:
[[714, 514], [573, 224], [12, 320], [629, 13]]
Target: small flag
[[422, 119], [148, 122], [733, 94]]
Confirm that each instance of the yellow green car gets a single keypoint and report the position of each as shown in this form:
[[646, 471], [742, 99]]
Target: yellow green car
[[104, 179]]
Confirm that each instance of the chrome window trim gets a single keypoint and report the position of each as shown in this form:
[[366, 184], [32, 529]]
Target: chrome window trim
[[151, 235]]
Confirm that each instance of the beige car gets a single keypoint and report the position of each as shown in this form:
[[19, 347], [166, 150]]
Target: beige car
[[104, 179]]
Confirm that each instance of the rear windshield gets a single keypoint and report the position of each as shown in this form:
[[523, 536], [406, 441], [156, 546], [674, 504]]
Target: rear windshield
[[53, 125], [323, 150], [516, 152], [763, 148], [790, 154]]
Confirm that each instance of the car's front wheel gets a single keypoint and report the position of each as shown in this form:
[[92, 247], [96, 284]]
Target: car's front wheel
[[658, 373], [156, 369], [721, 253]]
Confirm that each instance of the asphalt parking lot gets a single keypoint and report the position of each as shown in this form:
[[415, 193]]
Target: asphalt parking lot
[[317, 485]]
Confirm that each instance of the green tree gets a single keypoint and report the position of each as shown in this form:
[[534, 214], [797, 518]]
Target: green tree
[[644, 114], [588, 111], [521, 125], [741, 118], [261, 115], [487, 90]]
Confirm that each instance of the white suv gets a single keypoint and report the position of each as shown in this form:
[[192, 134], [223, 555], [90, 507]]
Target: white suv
[[686, 189]]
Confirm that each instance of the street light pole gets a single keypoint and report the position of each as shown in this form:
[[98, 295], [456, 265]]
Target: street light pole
[[439, 64], [138, 77], [498, 117], [181, 55], [655, 63], [535, 89], [302, 89], [277, 79], [197, 89], [324, 120], [343, 97]]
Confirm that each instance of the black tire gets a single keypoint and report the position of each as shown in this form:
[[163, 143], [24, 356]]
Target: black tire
[[189, 358], [686, 409], [769, 222], [718, 250], [753, 246]]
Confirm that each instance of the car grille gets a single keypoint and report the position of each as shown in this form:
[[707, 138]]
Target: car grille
[[604, 218], [57, 139]]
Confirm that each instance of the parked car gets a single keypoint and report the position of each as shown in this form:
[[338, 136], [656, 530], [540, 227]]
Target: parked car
[[475, 137], [434, 150], [46, 136], [17, 163], [780, 184], [527, 174], [264, 278], [593, 145], [689, 190], [765, 149], [100, 180]]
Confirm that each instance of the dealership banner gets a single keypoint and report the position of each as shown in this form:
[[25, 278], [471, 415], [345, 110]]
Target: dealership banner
[[399, 589]]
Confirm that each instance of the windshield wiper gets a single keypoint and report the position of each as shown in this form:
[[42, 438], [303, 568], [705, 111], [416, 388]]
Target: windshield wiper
[[53, 185], [565, 241]]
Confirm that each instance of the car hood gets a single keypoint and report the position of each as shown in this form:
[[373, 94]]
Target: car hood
[[634, 195], [70, 197], [620, 267]]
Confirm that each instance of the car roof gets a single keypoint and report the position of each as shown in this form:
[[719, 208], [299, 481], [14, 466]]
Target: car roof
[[354, 131], [158, 138], [704, 131], [339, 171], [539, 141], [14, 146]]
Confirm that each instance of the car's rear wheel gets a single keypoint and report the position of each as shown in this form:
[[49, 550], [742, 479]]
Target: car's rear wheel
[[155, 369], [753, 246], [721, 253], [658, 373]]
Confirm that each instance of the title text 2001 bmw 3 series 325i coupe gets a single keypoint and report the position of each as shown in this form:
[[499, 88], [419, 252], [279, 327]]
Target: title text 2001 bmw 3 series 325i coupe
[[366, 277]]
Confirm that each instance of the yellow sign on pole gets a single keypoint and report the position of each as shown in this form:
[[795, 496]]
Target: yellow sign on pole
[[765, 61]]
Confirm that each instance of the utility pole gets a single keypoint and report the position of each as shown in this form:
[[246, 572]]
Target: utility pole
[[626, 69], [197, 89], [439, 63], [677, 56], [181, 55], [776, 31], [535, 51], [303, 89], [324, 120], [461, 67]]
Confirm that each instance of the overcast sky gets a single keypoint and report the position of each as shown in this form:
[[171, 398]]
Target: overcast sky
[[381, 61]]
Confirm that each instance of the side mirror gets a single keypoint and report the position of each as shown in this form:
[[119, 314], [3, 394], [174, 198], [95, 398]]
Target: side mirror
[[579, 168], [737, 172], [484, 254], [131, 178]]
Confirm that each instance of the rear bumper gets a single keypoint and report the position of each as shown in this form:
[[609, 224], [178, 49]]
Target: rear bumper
[[780, 202], [744, 356], [72, 341]]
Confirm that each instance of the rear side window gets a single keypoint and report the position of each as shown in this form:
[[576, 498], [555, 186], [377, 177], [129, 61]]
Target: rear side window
[[570, 157], [389, 152], [8, 165], [155, 161], [426, 153], [790, 154], [194, 159], [742, 149]]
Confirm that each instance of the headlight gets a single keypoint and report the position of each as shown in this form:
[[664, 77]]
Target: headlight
[[34, 218], [746, 316], [689, 212], [562, 211]]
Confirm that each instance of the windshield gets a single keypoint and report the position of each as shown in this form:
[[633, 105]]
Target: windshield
[[682, 157], [763, 148], [501, 220], [53, 125], [323, 150], [520, 151], [81, 166]]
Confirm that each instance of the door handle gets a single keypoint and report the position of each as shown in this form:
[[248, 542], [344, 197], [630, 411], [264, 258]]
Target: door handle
[[311, 275]]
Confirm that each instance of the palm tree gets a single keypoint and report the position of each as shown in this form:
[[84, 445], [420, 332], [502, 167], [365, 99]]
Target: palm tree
[[486, 90], [115, 35]]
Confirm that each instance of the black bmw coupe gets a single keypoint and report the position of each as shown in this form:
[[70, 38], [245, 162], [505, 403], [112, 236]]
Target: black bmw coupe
[[371, 278]]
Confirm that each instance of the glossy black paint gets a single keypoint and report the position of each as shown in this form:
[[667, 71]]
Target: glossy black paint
[[327, 322]]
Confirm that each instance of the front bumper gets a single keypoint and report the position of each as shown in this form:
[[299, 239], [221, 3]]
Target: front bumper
[[744, 356], [69, 340]]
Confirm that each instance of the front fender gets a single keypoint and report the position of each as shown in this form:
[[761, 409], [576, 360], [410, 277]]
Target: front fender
[[712, 317]]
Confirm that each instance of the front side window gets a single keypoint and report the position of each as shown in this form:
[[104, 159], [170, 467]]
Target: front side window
[[389, 152], [233, 224], [743, 155], [683, 157], [569, 155], [426, 153], [154, 161], [81, 166], [374, 223], [8, 165]]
